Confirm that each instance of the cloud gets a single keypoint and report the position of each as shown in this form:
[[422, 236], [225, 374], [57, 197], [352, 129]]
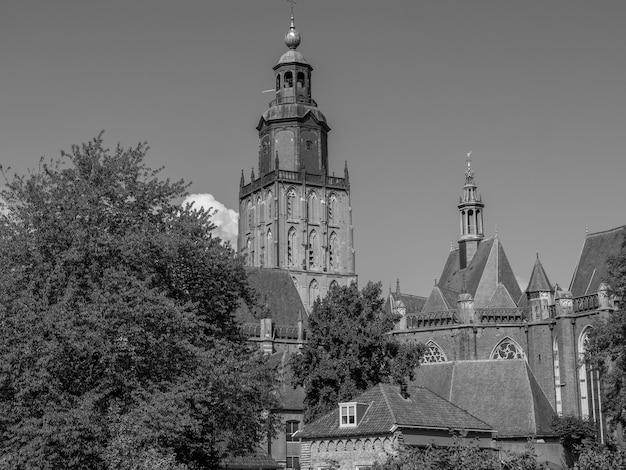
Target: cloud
[[225, 219]]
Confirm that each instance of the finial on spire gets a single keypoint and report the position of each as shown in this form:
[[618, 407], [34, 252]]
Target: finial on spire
[[469, 173], [496, 230], [292, 38], [398, 287]]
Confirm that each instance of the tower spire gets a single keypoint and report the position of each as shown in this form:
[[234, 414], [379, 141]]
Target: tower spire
[[471, 214]]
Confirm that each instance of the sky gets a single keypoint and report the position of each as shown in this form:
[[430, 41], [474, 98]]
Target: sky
[[535, 89]]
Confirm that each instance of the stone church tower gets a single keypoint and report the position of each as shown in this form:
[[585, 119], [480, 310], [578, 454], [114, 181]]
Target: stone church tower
[[293, 215]]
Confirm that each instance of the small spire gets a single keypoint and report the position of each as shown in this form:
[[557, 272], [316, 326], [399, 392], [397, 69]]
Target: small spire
[[469, 173], [586, 229], [252, 177], [242, 180], [277, 161], [345, 171], [496, 232], [398, 287]]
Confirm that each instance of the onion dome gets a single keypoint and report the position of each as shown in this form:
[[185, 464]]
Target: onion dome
[[292, 38]]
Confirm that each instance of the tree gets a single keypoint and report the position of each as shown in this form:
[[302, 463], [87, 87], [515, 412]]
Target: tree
[[574, 433], [118, 347], [348, 349], [460, 455]]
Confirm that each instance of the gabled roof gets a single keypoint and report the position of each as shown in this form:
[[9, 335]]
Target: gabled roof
[[278, 297], [592, 268], [387, 408], [290, 398], [504, 394], [488, 269], [440, 299], [538, 279]]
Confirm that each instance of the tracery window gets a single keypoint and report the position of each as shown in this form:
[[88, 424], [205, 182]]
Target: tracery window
[[313, 208], [332, 208], [269, 202], [290, 203], [587, 378], [333, 251], [249, 251], [507, 349], [313, 250], [291, 246], [259, 204], [334, 285], [433, 354], [270, 249], [314, 291]]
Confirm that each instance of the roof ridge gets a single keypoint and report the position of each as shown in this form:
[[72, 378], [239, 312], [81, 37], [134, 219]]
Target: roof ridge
[[615, 229], [389, 407]]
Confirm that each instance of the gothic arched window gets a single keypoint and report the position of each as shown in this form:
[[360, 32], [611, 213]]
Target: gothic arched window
[[277, 82], [291, 247], [332, 210], [269, 202], [333, 251], [314, 249], [557, 376], [314, 291], [269, 248], [259, 205], [291, 204], [334, 285], [249, 251], [313, 208], [587, 378], [507, 349], [433, 354]]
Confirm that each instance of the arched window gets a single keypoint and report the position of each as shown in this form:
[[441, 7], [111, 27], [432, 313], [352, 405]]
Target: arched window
[[259, 204], [332, 210], [300, 80], [587, 378], [313, 208], [479, 221], [291, 204], [334, 285], [314, 292], [333, 251], [433, 354], [291, 247], [314, 250], [470, 221], [250, 223], [269, 262], [277, 82], [269, 202], [557, 377], [249, 251], [288, 80], [507, 349]]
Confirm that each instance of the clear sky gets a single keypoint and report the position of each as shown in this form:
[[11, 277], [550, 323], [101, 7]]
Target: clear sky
[[535, 88]]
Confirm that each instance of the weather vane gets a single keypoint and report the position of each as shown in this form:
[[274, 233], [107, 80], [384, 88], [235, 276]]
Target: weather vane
[[469, 158]]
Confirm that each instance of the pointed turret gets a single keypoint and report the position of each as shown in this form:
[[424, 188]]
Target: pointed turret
[[471, 213], [540, 293]]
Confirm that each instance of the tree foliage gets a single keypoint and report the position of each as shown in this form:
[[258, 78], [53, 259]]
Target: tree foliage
[[600, 457], [118, 347], [467, 456], [348, 349]]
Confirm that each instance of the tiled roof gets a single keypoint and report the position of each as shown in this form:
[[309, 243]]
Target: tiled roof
[[488, 268], [290, 398], [422, 409], [412, 303], [440, 299], [538, 279], [592, 269], [257, 460], [277, 295], [504, 394]]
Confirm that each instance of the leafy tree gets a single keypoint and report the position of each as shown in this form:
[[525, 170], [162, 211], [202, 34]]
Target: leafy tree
[[460, 455], [574, 433], [118, 347], [600, 457], [348, 349]]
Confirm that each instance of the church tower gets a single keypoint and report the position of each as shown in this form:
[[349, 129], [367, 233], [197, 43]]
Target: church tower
[[471, 212], [293, 215]]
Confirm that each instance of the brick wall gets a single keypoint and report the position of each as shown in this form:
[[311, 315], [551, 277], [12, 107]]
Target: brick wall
[[347, 453]]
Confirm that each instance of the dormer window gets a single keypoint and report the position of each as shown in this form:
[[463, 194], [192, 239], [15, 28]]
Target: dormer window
[[347, 415], [351, 414]]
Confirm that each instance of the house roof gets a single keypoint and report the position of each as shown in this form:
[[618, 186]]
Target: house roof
[[387, 408], [277, 295], [504, 394], [290, 398], [538, 279], [256, 460], [592, 268], [488, 269]]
